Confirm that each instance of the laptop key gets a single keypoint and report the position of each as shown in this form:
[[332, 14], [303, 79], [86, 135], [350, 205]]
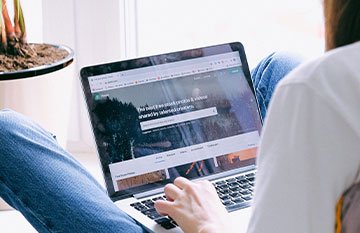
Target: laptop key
[[222, 186], [245, 186], [224, 196], [227, 202], [140, 208], [236, 206], [220, 183], [168, 225], [250, 175], [243, 181], [234, 194], [236, 188], [162, 220], [154, 216], [241, 177], [251, 178], [238, 200], [149, 211], [158, 198], [150, 205], [135, 204], [225, 191], [245, 192], [232, 184], [247, 197], [231, 180]]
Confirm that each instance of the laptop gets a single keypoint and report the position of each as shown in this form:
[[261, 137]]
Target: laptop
[[190, 113]]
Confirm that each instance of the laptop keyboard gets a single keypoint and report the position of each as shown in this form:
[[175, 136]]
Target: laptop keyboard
[[235, 193], [147, 207]]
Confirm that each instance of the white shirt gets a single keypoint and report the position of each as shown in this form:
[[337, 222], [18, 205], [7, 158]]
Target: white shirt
[[310, 149]]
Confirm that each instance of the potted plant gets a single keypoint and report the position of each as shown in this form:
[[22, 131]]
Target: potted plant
[[42, 97], [17, 56]]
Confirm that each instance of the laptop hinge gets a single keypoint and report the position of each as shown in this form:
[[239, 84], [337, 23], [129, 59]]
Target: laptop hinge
[[149, 193], [211, 177]]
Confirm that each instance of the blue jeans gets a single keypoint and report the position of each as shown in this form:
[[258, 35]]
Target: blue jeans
[[55, 193], [268, 73]]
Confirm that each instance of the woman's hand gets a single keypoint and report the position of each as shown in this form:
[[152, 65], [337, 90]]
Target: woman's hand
[[195, 206]]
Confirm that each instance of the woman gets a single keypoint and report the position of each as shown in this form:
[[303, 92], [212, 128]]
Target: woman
[[307, 159], [309, 152]]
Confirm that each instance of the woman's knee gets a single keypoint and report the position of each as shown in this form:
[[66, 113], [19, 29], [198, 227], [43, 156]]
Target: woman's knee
[[10, 121], [268, 73], [281, 63], [21, 142], [15, 127], [274, 67]]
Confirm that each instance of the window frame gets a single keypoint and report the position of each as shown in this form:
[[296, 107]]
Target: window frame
[[116, 18]]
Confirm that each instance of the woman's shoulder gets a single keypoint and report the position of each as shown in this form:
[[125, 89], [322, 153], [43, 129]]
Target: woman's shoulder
[[336, 66], [334, 79]]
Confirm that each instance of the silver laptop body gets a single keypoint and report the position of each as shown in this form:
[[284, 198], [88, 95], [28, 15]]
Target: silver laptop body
[[190, 113]]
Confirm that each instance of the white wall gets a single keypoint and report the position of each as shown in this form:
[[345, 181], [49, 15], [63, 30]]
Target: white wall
[[93, 30], [123, 29], [33, 16], [104, 31], [263, 26]]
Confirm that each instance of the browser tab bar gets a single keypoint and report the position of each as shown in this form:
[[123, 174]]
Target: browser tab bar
[[163, 72]]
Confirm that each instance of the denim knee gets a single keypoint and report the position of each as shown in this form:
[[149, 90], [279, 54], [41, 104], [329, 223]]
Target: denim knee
[[267, 74], [9, 122], [15, 129]]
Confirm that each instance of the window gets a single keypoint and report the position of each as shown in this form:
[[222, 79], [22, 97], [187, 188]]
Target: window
[[122, 29], [262, 26], [33, 14]]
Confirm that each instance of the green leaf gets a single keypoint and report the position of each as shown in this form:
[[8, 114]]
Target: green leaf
[[17, 7], [21, 19], [1, 18]]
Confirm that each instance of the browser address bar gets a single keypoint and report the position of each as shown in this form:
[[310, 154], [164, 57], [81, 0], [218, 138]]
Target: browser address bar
[[170, 120]]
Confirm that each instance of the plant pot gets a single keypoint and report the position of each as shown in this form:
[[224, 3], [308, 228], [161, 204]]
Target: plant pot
[[45, 98]]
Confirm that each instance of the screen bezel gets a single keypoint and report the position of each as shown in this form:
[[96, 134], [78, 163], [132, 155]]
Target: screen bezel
[[142, 62]]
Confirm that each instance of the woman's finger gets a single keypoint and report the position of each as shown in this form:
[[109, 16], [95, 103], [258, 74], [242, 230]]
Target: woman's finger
[[172, 192], [182, 182], [164, 207]]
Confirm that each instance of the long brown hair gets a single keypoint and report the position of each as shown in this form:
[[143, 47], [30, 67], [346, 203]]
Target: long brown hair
[[342, 22]]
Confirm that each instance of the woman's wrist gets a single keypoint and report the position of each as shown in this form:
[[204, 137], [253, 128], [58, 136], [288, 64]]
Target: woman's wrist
[[212, 228]]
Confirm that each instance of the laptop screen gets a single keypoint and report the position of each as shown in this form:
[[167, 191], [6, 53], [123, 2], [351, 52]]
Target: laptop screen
[[191, 113]]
